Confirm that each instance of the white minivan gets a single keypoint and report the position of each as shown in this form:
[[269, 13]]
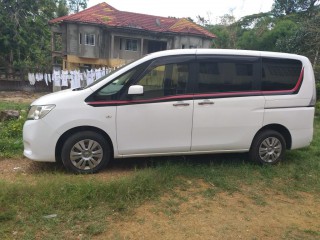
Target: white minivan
[[178, 102]]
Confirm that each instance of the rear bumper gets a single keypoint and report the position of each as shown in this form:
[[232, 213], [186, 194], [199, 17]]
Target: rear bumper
[[301, 138]]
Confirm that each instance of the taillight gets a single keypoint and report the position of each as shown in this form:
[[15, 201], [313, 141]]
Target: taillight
[[314, 98]]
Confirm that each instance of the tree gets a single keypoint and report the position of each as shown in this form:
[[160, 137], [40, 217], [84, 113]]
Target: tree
[[222, 36], [24, 32], [25, 36], [253, 28], [226, 31], [304, 38], [62, 8], [282, 30], [286, 7], [202, 21], [305, 41], [76, 5]]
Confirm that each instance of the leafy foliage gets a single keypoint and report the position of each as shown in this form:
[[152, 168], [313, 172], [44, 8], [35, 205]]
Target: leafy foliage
[[11, 144], [25, 36], [62, 8], [291, 26], [75, 5], [281, 7]]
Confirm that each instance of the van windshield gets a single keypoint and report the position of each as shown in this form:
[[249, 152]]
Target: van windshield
[[116, 84], [104, 77], [107, 75]]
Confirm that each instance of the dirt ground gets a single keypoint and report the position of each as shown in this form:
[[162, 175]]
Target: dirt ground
[[188, 213], [20, 96], [222, 216]]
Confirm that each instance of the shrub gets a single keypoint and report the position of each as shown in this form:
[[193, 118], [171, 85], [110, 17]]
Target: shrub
[[11, 143]]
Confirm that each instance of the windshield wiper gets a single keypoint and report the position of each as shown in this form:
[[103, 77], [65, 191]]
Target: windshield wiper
[[77, 89]]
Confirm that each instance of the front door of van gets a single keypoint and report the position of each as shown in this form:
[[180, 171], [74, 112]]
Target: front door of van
[[228, 108], [160, 120]]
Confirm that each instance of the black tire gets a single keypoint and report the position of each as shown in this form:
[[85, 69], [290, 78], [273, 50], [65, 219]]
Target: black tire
[[85, 152], [268, 147]]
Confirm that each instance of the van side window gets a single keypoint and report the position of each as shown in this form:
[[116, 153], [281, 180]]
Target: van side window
[[225, 76], [164, 80], [280, 74]]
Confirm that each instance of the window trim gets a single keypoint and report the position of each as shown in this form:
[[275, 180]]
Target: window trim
[[124, 44], [190, 59], [122, 94], [300, 75], [85, 39]]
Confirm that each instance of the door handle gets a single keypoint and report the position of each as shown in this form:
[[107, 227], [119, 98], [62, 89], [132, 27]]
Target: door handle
[[180, 104], [206, 103]]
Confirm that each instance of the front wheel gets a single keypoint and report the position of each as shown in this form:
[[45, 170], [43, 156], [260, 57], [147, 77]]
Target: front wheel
[[268, 147], [85, 152]]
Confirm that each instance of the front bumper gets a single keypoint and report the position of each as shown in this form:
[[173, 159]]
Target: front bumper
[[39, 140]]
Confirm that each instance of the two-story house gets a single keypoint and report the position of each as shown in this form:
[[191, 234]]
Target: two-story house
[[104, 36]]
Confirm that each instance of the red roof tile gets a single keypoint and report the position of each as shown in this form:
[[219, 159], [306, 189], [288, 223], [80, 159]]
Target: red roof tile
[[104, 14]]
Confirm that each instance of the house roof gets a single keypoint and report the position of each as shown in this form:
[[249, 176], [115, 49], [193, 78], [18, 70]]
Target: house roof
[[104, 14]]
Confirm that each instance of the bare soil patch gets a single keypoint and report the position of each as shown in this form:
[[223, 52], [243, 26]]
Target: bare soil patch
[[188, 214], [20, 96], [12, 170]]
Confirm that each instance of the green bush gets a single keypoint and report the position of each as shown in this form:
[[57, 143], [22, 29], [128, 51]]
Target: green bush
[[13, 128], [11, 144]]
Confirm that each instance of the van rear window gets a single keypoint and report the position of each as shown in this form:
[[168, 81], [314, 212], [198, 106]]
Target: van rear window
[[280, 74]]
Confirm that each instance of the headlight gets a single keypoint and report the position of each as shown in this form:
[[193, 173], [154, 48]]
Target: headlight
[[38, 112]]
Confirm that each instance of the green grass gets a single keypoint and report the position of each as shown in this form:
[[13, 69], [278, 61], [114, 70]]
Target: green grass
[[11, 144], [84, 204], [80, 204], [13, 106]]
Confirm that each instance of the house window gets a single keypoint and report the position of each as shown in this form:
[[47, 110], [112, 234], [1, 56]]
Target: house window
[[129, 44], [89, 39], [80, 38]]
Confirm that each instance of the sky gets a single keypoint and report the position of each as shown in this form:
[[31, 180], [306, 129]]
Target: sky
[[209, 9]]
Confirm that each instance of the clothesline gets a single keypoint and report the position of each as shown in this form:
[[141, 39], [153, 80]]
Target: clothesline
[[72, 79]]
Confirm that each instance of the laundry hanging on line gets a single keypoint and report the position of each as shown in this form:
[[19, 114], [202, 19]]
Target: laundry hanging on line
[[73, 79]]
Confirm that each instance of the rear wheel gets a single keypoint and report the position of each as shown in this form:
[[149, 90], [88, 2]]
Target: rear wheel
[[85, 152], [268, 147]]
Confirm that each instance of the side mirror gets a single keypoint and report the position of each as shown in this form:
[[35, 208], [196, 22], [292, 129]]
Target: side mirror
[[135, 90]]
